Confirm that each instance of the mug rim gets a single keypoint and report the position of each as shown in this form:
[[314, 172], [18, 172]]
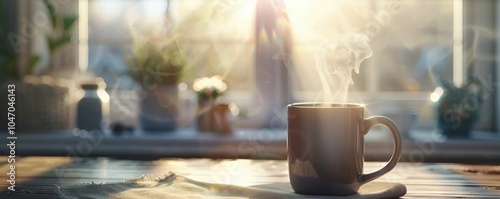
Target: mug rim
[[313, 105]]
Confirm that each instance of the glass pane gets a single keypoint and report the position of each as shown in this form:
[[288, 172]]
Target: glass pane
[[411, 42], [216, 37], [315, 23], [416, 47], [111, 23], [234, 61]]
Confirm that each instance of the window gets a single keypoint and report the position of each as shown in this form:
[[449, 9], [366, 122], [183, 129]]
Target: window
[[218, 35], [414, 44], [267, 49], [404, 36]]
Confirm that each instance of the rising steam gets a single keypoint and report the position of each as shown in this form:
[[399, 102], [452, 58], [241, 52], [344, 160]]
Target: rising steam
[[335, 63]]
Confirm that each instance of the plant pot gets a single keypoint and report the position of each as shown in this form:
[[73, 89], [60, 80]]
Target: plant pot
[[42, 104], [159, 108], [204, 119], [458, 111], [213, 117], [221, 119]]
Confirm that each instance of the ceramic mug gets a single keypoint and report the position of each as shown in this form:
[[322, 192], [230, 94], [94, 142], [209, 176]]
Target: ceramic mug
[[325, 148]]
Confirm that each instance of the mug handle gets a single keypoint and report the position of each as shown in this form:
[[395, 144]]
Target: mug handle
[[367, 125]]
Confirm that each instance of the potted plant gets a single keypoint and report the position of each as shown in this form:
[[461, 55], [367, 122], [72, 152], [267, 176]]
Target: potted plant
[[156, 62], [458, 108], [211, 116], [43, 103]]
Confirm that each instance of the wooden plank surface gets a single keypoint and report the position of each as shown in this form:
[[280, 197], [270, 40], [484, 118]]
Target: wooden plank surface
[[37, 177]]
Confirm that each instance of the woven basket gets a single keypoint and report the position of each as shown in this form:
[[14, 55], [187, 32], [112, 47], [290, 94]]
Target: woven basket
[[43, 104]]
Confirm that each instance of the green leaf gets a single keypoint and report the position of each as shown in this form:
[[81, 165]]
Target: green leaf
[[54, 44], [64, 39], [52, 12], [69, 21], [32, 63], [51, 44]]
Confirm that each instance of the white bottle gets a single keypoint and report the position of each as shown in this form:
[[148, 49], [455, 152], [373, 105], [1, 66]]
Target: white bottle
[[93, 108]]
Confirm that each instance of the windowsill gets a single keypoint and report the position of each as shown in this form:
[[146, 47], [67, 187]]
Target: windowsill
[[246, 143]]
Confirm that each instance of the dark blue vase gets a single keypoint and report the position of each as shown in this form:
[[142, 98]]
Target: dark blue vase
[[159, 109]]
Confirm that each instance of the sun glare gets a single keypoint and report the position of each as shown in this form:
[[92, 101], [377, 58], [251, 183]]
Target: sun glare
[[154, 8], [438, 92], [110, 9]]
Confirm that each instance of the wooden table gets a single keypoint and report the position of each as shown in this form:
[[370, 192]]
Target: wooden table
[[36, 177]]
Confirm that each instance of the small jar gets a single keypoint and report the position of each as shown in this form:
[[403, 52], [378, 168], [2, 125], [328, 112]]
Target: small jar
[[93, 108]]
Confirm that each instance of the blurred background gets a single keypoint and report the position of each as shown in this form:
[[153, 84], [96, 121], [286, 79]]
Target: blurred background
[[433, 70]]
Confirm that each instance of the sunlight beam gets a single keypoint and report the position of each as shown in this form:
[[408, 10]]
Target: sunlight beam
[[83, 35], [458, 69]]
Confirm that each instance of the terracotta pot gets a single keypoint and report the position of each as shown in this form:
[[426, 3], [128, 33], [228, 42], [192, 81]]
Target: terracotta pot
[[213, 117], [221, 119]]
